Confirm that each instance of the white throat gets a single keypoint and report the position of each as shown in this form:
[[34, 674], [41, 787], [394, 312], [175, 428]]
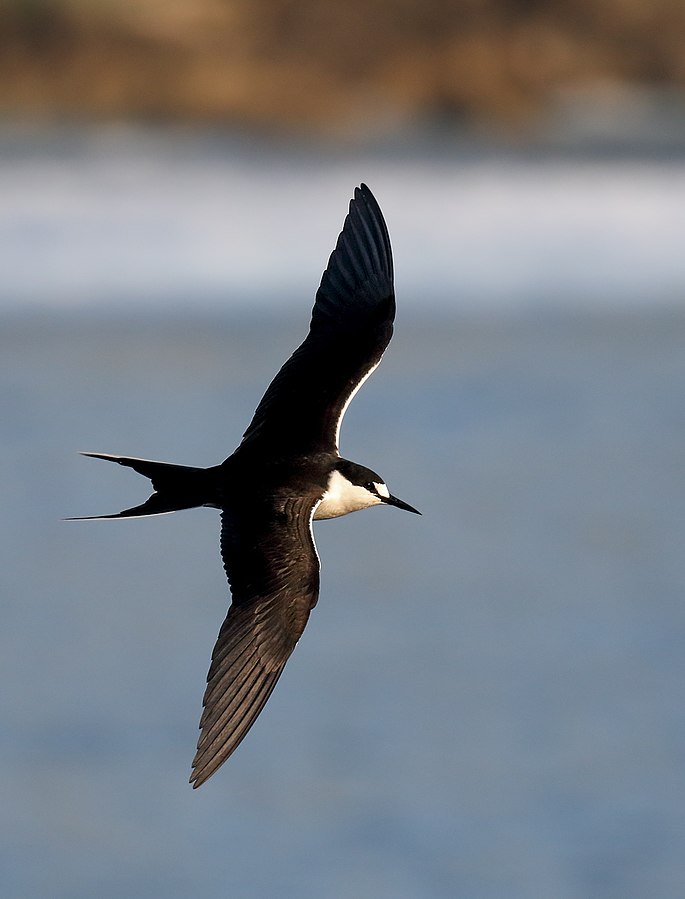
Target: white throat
[[342, 496]]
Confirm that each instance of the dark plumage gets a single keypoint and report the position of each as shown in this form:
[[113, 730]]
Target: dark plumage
[[286, 471]]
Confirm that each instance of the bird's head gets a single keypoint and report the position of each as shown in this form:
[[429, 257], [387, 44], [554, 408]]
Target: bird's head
[[352, 487]]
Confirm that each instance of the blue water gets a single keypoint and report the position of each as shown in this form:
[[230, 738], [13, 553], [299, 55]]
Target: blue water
[[487, 701]]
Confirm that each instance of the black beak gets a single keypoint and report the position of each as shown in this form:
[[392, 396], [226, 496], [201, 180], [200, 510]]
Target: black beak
[[393, 501]]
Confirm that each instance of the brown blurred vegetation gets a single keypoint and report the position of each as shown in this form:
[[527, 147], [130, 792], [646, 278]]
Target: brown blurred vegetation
[[328, 65]]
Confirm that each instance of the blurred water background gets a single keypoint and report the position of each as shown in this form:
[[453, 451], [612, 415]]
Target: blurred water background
[[487, 702]]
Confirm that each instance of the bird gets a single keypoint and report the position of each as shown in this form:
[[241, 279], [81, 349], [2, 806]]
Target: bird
[[286, 473]]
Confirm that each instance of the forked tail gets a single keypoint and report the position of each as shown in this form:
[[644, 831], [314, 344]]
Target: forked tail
[[176, 486]]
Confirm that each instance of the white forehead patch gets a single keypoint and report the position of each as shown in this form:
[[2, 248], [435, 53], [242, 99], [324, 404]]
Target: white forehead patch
[[381, 489]]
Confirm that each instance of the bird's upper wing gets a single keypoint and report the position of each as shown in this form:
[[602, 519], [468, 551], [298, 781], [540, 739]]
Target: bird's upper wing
[[350, 328], [273, 569]]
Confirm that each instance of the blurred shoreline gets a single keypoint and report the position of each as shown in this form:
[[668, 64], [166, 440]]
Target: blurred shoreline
[[341, 70]]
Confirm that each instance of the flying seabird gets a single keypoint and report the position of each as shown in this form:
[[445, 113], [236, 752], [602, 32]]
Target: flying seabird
[[286, 472]]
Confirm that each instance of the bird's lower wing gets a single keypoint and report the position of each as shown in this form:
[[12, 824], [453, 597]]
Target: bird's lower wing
[[273, 570], [240, 681]]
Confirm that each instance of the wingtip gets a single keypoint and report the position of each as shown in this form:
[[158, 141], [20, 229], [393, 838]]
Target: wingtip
[[364, 192], [195, 781], [201, 773]]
